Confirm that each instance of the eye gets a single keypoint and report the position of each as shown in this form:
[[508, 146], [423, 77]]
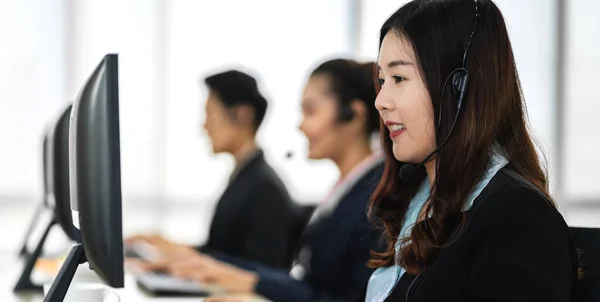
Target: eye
[[308, 111], [398, 79]]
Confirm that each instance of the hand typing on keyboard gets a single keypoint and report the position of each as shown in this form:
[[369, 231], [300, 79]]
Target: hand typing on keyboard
[[155, 248], [154, 257], [209, 271], [138, 266]]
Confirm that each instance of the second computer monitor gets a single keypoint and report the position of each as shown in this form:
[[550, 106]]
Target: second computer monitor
[[59, 171]]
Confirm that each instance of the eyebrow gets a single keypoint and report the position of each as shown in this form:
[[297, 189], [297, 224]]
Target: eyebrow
[[396, 63]]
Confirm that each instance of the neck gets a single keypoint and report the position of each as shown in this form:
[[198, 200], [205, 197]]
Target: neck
[[353, 155], [430, 168], [244, 150]]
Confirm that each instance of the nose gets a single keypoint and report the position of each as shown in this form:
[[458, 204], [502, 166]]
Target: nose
[[301, 126], [205, 127], [383, 101]]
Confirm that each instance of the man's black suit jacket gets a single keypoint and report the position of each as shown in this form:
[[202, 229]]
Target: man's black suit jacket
[[254, 217]]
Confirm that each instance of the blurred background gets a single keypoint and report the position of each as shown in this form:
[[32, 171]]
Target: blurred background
[[170, 179]]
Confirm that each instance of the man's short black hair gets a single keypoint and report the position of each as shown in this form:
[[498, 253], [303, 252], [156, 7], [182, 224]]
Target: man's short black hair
[[235, 88]]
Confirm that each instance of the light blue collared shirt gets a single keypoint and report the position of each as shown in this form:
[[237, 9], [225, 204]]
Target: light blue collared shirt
[[383, 280]]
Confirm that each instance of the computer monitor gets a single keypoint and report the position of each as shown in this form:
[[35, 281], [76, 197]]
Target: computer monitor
[[57, 205], [95, 181], [59, 169]]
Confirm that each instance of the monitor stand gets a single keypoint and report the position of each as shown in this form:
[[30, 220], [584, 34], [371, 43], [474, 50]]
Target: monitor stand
[[23, 252], [62, 281], [24, 283]]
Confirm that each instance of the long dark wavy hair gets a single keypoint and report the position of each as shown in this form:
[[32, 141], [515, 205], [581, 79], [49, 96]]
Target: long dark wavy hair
[[493, 113]]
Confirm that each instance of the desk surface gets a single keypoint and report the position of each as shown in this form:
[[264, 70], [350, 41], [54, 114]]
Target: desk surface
[[17, 218], [10, 268]]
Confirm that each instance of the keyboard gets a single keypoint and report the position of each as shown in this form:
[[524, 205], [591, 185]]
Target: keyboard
[[141, 250], [162, 284]]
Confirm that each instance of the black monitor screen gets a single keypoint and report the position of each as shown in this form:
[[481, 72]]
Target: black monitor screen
[[95, 171]]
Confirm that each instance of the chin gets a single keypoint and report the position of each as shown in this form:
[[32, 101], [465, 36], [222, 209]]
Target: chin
[[404, 155], [314, 155]]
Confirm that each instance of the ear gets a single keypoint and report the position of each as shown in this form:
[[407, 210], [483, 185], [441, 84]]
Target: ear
[[243, 115], [359, 109]]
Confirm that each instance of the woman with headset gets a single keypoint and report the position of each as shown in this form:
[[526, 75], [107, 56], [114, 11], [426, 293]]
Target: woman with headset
[[330, 264], [464, 200]]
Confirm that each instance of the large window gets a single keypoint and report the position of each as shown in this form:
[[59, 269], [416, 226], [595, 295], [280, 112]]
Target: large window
[[32, 88], [131, 29], [581, 144], [166, 47], [532, 29], [279, 42]]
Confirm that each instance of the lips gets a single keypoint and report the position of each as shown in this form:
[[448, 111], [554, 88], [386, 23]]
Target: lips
[[396, 129], [394, 134]]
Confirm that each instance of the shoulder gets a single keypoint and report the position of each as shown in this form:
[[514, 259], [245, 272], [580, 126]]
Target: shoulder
[[267, 172], [370, 180], [514, 230], [354, 203], [264, 178], [513, 201]]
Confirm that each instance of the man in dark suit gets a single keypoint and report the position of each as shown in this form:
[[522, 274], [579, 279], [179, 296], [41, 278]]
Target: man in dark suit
[[254, 218]]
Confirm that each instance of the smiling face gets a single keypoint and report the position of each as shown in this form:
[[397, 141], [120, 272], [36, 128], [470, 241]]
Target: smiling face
[[403, 102], [319, 112]]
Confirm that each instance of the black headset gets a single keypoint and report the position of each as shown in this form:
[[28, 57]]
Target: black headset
[[345, 114], [460, 85], [344, 111], [460, 76]]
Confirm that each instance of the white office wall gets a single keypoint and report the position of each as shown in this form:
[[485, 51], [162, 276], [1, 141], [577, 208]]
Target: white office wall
[[531, 26], [582, 101], [49, 48], [371, 18], [32, 88], [277, 41], [131, 29]]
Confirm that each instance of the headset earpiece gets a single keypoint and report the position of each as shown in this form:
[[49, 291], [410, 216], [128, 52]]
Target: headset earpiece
[[346, 113], [460, 80], [460, 84]]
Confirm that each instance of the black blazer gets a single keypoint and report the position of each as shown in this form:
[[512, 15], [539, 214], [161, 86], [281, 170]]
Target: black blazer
[[254, 217], [340, 245], [515, 247]]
